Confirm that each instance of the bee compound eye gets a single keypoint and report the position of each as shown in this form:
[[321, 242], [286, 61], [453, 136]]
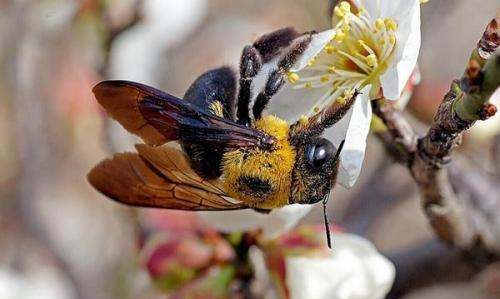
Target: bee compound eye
[[319, 152]]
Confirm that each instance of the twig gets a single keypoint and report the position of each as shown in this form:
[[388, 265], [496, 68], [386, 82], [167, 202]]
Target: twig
[[455, 214], [427, 264], [113, 32]]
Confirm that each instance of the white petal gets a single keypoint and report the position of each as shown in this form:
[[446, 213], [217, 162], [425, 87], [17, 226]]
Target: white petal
[[354, 128], [407, 15], [289, 104], [354, 270], [272, 224], [318, 42], [371, 6]]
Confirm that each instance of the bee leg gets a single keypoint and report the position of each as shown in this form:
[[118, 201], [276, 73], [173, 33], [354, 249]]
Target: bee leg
[[263, 50], [262, 211], [276, 79], [298, 47], [269, 45], [250, 65], [273, 84]]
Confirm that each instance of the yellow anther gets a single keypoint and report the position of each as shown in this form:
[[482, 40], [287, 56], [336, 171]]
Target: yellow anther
[[311, 62], [390, 24], [324, 78], [348, 93], [371, 60], [340, 36], [346, 27], [330, 49], [345, 6], [316, 109], [308, 85], [361, 11], [338, 12], [331, 69], [341, 100], [392, 39], [424, 1], [293, 77], [379, 24], [303, 120]]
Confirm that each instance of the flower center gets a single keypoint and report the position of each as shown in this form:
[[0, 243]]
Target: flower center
[[358, 53]]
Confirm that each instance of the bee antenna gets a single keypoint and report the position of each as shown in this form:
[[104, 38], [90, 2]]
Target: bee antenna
[[327, 222], [337, 154]]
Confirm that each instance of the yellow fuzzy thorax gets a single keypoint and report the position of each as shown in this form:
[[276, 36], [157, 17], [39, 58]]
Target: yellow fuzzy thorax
[[274, 166]]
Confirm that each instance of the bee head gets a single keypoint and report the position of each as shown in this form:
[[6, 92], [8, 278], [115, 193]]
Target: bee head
[[261, 177], [315, 170]]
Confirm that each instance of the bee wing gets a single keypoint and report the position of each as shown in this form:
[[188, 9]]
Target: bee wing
[[130, 179], [158, 117], [174, 164]]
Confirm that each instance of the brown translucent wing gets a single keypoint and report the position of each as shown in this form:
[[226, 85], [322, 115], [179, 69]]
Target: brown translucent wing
[[174, 165], [158, 117], [129, 179]]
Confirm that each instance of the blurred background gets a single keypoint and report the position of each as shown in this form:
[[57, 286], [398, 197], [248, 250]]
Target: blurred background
[[60, 239]]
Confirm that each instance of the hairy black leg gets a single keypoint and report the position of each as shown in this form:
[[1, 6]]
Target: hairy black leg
[[269, 45], [277, 78], [296, 49], [250, 65], [273, 84]]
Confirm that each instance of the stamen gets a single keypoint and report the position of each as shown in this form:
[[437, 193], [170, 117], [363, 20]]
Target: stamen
[[338, 12], [340, 36], [371, 60], [345, 6], [358, 52], [390, 24], [379, 24], [330, 49], [293, 77]]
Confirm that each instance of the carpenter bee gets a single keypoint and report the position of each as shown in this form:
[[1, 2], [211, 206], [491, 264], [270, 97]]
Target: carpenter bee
[[227, 159]]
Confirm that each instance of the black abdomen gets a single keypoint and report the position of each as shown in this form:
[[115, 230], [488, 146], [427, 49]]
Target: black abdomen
[[212, 86]]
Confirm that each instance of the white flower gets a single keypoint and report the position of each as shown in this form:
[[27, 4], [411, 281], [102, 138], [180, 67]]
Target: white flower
[[273, 224], [353, 270], [43, 283], [373, 48]]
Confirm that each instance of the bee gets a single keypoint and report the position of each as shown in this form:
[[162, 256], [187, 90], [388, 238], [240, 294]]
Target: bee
[[227, 159]]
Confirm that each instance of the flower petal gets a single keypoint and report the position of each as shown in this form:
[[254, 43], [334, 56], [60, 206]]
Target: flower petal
[[371, 6], [407, 15], [318, 42], [354, 270], [354, 128], [272, 224]]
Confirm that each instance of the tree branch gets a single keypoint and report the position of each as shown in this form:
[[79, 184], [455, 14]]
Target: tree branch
[[455, 212]]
